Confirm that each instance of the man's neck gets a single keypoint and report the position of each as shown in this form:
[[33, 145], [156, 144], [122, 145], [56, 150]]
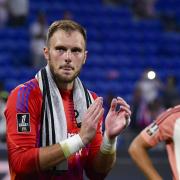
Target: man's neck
[[65, 86]]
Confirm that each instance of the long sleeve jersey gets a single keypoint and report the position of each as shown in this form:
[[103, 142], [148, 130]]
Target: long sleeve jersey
[[23, 117]]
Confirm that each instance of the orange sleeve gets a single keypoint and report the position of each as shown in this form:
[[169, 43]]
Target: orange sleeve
[[151, 136], [162, 128], [22, 118]]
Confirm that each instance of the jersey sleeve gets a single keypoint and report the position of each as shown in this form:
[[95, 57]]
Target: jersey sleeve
[[162, 128], [151, 134], [22, 119]]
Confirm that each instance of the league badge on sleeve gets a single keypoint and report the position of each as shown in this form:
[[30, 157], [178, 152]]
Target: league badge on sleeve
[[23, 122], [152, 129]]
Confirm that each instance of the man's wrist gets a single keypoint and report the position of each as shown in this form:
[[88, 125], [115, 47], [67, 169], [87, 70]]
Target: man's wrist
[[71, 145], [108, 146]]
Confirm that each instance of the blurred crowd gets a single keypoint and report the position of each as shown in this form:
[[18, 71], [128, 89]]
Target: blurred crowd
[[3, 98], [150, 98], [13, 12]]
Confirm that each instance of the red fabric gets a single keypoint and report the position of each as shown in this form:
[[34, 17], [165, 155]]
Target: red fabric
[[23, 146]]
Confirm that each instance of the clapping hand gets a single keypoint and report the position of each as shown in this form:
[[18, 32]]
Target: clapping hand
[[117, 119], [90, 120]]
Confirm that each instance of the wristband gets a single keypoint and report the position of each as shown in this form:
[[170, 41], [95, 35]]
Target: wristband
[[71, 145], [108, 146]]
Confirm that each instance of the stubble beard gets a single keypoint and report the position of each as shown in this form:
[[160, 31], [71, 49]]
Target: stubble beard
[[63, 78]]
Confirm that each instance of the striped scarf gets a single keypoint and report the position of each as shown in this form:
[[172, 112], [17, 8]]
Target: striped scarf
[[53, 119]]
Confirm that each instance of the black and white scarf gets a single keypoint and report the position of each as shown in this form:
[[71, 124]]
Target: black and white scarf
[[53, 118]]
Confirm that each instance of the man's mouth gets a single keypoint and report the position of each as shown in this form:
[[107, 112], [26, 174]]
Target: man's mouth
[[67, 68]]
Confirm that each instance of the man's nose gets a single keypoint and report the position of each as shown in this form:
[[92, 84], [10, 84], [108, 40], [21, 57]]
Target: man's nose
[[68, 54]]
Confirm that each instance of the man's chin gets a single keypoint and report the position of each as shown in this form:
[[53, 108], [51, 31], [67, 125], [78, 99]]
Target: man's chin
[[65, 79]]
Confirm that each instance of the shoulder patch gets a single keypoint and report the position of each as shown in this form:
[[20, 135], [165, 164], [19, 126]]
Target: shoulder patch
[[152, 129], [23, 122]]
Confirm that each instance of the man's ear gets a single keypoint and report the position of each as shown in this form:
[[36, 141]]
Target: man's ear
[[46, 53], [85, 57]]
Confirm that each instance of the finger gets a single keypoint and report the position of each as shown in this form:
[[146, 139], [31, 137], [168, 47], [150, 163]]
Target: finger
[[124, 106], [113, 104], [128, 120], [126, 109], [98, 116], [96, 111], [93, 106], [122, 101]]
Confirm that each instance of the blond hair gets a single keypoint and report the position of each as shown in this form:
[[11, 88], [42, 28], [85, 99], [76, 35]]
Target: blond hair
[[67, 26]]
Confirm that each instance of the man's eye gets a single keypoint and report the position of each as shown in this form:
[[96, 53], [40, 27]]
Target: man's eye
[[76, 50], [60, 49]]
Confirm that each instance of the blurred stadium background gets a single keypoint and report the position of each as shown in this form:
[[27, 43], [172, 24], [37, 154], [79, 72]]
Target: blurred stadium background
[[120, 48]]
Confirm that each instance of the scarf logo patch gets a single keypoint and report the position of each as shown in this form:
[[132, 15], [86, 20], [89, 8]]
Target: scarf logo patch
[[23, 122], [76, 113]]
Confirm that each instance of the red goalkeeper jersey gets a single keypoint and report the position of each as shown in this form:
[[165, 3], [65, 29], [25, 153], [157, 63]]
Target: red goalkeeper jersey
[[23, 114]]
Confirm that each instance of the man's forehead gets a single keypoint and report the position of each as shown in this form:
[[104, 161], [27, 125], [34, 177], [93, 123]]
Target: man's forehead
[[62, 37], [69, 32]]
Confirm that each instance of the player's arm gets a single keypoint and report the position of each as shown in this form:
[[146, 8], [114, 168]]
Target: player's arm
[[138, 151], [105, 160], [99, 164], [115, 123], [23, 152], [103, 163], [51, 156]]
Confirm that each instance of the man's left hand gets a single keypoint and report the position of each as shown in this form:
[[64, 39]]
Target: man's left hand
[[117, 119]]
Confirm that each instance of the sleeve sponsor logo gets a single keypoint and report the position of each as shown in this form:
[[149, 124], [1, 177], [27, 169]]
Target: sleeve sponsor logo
[[152, 129], [23, 122]]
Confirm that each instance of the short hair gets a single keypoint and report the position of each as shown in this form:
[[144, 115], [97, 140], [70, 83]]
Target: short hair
[[67, 26]]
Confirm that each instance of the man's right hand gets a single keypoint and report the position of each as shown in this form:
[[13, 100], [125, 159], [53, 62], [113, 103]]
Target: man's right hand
[[90, 120]]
